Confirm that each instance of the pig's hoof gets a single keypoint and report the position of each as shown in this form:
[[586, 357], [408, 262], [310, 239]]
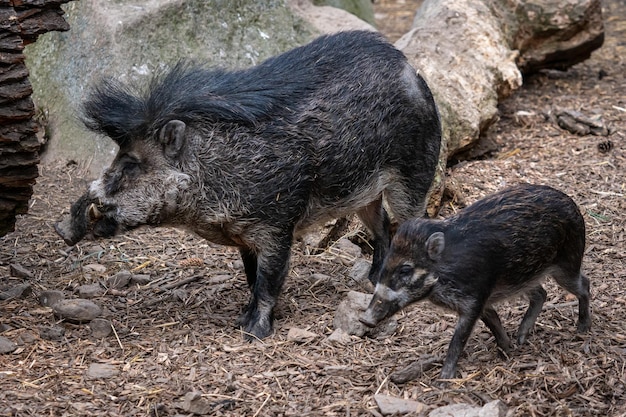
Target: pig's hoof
[[583, 327], [254, 325], [447, 373], [257, 330], [244, 318]]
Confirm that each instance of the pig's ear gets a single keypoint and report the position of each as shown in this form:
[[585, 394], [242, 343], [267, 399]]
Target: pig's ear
[[172, 137], [435, 245]]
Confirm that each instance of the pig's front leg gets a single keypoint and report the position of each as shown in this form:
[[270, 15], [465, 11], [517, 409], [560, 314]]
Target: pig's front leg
[[272, 266], [463, 329]]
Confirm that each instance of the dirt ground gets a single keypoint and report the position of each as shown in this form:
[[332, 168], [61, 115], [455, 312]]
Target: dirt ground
[[172, 337]]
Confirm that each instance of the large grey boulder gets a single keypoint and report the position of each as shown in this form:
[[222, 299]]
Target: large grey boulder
[[360, 8], [132, 39]]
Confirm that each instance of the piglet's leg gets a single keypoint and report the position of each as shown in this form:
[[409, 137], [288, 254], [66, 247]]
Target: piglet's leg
[[492, 320], [578, 284], [459, 339], [537, 296]]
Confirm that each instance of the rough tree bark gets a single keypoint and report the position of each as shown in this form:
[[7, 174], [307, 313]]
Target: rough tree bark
[[473, 53], [21, 22]]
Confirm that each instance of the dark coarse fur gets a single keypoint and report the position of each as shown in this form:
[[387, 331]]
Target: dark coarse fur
[[253, 157], [271, 91], [498, 247]]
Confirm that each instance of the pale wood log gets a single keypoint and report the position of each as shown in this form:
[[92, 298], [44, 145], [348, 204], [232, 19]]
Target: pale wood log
[[472, 54]]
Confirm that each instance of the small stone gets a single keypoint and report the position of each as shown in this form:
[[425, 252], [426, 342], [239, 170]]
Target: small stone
[[393, 405], [54, 333], [6, 346], [50, 297], [17, 291], [95, 268], [17, 270], [140, 279], [352, 308], [78, 310], [349, 311], [339, 337], [194, 403], [455, 410], [300, 335], [94, 249], [119, 280], [493, 409], [346, 251], [101, 371], [384, 329], [360, 270], [90, 291], [100, 328], [26, 338]]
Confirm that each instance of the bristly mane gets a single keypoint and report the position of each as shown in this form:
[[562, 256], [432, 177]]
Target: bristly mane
[[194, 94], [187, 92]]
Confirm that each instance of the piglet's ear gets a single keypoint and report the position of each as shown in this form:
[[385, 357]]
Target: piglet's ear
[[435, 245], [172, 137]]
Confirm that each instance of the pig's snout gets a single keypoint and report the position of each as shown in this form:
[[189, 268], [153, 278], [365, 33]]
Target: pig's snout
[[84, 215], [65, 230], [377, 310], [368, 319]]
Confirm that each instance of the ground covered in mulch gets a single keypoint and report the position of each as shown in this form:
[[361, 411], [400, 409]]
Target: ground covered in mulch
[[175, 334]]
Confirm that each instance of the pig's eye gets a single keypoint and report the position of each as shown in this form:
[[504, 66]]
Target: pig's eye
[[131, 167], [405, 271]]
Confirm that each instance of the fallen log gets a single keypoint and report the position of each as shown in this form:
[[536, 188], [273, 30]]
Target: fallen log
[[473, 53]]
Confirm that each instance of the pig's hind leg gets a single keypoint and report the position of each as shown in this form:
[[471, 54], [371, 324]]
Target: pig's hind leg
[[536, 297], [405, 203], [250, 264], [492, 321], [375, 218], [578, 284]]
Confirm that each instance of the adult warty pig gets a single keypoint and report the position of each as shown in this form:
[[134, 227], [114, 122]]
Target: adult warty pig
[[251, 157], [498, 247]]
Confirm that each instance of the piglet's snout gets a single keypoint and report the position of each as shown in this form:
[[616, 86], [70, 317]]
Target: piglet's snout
[[367, 320], [376, 311]]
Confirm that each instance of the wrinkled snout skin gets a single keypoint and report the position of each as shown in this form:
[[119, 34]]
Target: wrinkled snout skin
[[401, 284], [85, 219], [378, 310], [66, 229]]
